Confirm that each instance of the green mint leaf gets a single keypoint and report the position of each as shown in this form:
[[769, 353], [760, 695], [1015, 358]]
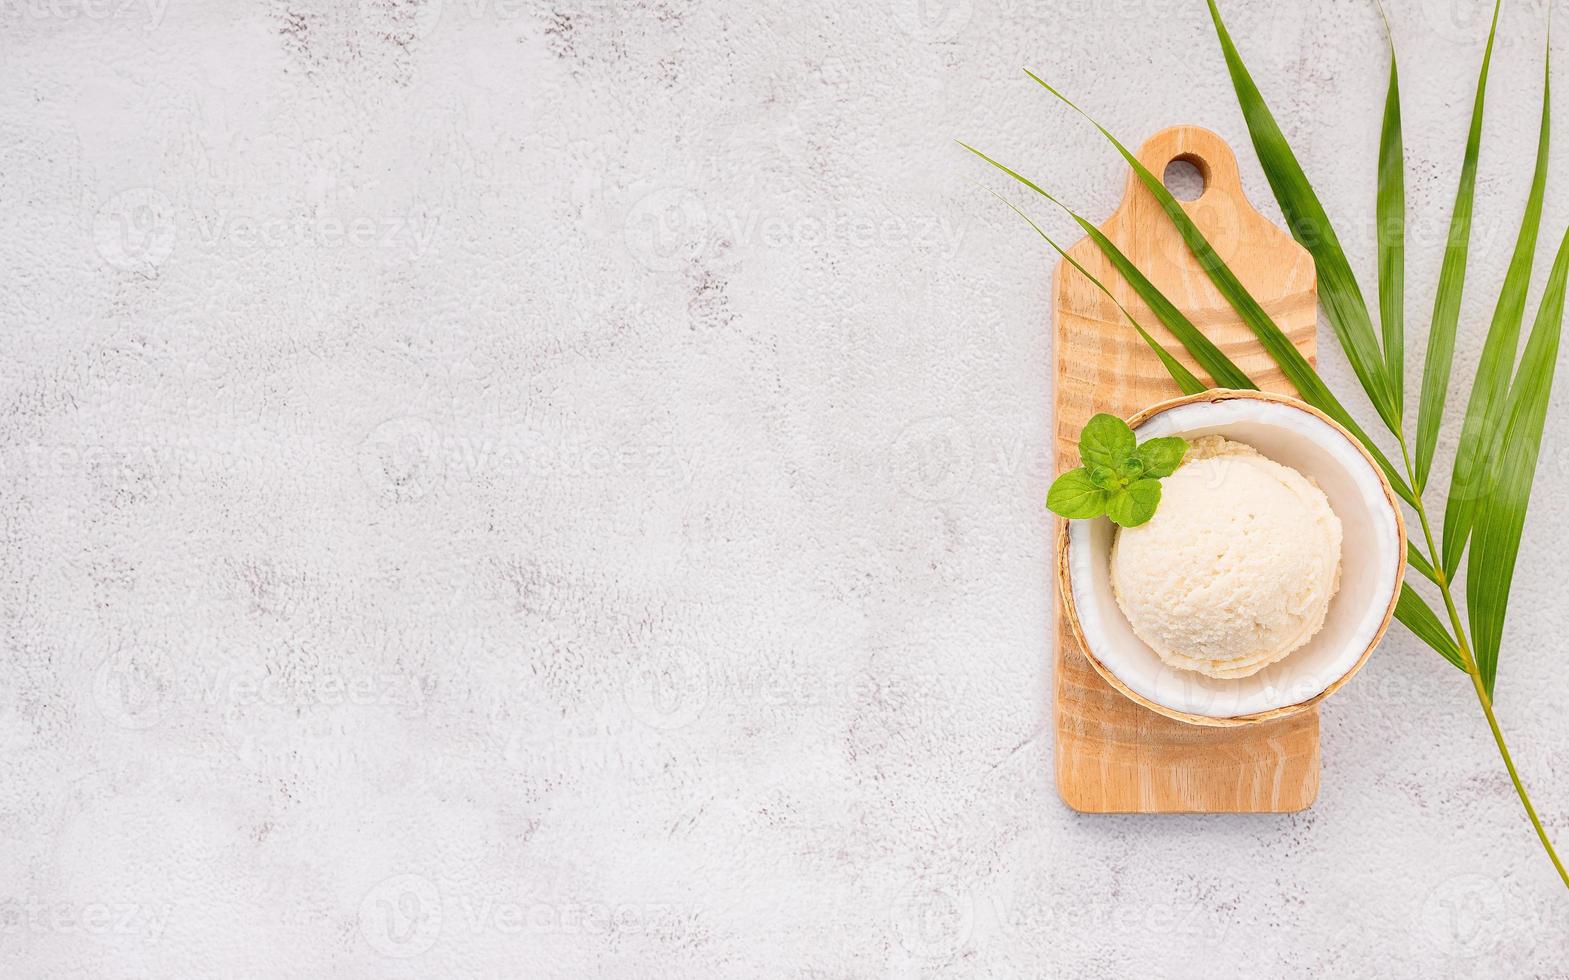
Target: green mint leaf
[[1105, 477], [1106, 441], [1120, 478], [1161, 457], [1134, 505], [1075, 496]]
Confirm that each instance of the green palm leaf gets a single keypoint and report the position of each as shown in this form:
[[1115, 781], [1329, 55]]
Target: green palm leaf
[[1392, 234], [1484, 415], [1179, 372], [1209, 357], [1337, 285], [1420, 619], [1451, 284], [1419, 561], [1501, 517], [1290, 360]]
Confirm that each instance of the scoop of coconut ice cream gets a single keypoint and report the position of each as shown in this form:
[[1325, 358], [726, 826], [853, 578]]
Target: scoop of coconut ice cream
[[1236, 568]]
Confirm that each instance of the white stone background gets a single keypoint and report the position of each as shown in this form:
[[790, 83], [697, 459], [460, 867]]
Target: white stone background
[[496, 488]]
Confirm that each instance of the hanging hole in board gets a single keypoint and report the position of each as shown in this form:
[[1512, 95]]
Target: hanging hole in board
[[1186, 177]]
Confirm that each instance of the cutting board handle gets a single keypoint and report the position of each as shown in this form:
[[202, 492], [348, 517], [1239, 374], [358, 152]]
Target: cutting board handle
[[1196, 145]]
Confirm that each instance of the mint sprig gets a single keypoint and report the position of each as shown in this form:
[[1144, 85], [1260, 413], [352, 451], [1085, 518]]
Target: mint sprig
[[1120, 477]]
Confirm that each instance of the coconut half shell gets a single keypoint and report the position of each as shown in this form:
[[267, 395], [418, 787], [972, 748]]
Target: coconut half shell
[[1373, 562]]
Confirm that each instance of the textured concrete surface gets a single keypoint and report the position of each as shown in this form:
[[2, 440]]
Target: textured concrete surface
[[497, 488]]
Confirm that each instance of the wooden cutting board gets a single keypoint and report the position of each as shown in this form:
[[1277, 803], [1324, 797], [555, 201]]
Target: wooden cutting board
[[1114, 756]]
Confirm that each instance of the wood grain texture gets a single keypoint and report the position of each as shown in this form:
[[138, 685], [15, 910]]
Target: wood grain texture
[[1113, 755]]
